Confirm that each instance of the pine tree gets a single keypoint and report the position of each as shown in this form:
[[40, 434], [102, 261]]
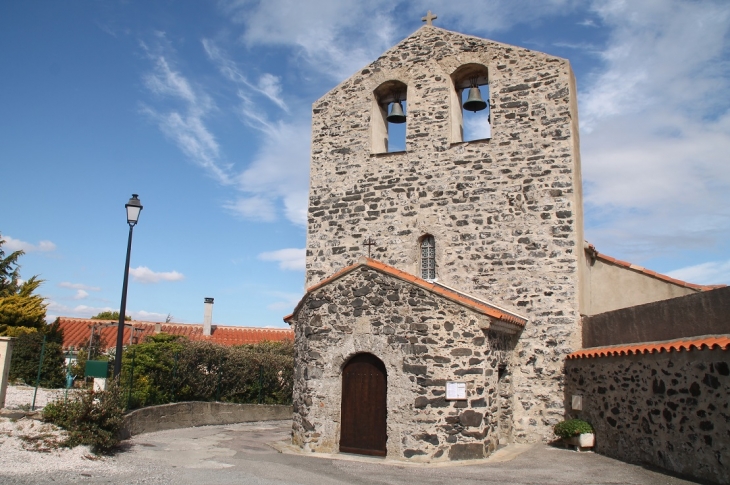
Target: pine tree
[[21, 311]]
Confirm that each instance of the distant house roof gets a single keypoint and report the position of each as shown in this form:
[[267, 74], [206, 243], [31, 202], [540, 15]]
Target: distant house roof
[[608, 259], [77, 331], [677, 345], [441, 290]]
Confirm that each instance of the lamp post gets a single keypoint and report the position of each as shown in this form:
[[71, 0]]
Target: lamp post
[[134, 207]]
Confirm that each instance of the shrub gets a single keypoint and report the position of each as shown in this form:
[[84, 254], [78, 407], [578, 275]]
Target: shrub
[[27, 354], [90, 418], [572, 427]]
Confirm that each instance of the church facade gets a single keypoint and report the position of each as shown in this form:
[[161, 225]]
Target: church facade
[[451, 337]]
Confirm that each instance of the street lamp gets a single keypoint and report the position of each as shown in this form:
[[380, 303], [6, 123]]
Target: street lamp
[[134, 207]]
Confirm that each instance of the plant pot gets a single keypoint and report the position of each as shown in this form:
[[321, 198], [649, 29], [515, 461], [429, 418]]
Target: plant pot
[[581, 442]]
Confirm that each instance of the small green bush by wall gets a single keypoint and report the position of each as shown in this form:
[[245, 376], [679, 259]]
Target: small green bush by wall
[[572, 427]]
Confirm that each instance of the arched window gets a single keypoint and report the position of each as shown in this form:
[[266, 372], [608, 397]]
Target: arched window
[[428, 257], [389, 129], [468, 125]]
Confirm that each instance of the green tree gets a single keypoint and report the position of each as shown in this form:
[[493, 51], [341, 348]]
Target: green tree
[[107, 315], [21, 311]]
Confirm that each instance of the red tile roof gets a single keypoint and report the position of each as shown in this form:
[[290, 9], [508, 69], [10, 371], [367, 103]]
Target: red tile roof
[[677, 345], [77, 331], [455, 296], [649, 272]]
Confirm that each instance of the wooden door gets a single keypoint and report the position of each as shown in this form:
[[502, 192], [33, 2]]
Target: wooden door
[[364, 411]]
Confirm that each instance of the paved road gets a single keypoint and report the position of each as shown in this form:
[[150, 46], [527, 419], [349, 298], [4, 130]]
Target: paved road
[[242, 454]]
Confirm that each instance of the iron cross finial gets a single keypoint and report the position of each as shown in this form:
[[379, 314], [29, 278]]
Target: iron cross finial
[[369, 243], [429, 18]]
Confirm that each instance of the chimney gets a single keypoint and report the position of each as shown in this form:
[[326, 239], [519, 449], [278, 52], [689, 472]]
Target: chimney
[[158, 328], [208, 316]]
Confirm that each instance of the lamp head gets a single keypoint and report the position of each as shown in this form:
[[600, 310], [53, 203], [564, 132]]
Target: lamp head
[[134, 207]]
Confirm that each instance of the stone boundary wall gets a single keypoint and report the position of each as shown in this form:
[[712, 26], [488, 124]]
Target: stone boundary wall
[[190, 414], [704, 313], [666, 409]]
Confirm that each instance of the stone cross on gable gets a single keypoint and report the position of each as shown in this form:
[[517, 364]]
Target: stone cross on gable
[[429, 18]]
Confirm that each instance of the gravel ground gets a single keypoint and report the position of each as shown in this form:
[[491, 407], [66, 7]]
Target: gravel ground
[[20, 397]]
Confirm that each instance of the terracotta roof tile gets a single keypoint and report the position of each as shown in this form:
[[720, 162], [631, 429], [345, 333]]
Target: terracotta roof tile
[[453, 295], [677, 345], [77, 331], [649, 272]]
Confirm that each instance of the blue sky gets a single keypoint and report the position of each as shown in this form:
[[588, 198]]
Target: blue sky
[[203, 109]]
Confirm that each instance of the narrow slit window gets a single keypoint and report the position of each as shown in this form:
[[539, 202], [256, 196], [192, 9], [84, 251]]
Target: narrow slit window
[[428, 258]]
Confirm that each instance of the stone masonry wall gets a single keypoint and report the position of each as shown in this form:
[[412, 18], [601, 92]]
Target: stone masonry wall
[[668, 410], [506, 213], [423, 340]]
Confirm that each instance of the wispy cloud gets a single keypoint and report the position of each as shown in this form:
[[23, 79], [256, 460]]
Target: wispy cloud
[[286, 301], [12, 244], [183, 123], [655, 133], [143, 274], [711, 273], [55, 310], [78, 286], [268, 84], [289, 259]]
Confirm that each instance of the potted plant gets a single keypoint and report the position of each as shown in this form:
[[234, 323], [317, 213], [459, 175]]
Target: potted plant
[[575, 432]]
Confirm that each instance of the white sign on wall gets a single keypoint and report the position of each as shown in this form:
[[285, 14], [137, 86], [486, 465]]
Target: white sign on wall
[[455, 390]]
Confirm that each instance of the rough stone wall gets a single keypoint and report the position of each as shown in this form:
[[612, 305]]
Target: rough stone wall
[[506, 213], [668, 410], [423, 340]]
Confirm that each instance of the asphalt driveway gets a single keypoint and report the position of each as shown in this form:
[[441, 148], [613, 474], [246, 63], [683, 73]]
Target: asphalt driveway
[[259, 453]]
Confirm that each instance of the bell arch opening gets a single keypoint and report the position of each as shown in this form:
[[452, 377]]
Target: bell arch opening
[[470, 106], [388, 119], [363, 419]]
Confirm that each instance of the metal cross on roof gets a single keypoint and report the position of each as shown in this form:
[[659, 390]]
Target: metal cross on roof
[[369, 243], [429, 18]]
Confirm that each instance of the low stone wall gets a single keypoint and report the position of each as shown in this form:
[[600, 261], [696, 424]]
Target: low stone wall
[[669, 410], [703, 313], [189, 414]]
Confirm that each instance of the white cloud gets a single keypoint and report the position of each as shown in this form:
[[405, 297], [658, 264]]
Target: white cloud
[[289, 259], [184, 125], [287, 301], [143, 274], [268, 84], [56, 309], [145, 316], [12, 244], [256, 208], [78, 286], [711, 273], [81, 294], [655, 131]]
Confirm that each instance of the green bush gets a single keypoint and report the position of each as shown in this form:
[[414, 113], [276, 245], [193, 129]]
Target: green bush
[[90, 418], [572, 427], [27, 354], [169, 369]]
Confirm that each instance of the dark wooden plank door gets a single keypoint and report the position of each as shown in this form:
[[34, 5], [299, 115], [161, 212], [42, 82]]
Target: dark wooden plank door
[[364, 411]]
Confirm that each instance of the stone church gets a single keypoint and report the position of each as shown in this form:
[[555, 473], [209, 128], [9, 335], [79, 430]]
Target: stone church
[[446, 277]]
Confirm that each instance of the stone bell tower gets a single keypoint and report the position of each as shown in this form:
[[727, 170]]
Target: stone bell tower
[[495, 218]]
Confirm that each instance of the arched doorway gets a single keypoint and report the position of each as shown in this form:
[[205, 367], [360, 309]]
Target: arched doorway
[[364, 410]]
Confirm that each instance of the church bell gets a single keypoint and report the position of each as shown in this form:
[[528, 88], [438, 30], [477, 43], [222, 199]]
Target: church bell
[[474, 102], [396, 114]]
